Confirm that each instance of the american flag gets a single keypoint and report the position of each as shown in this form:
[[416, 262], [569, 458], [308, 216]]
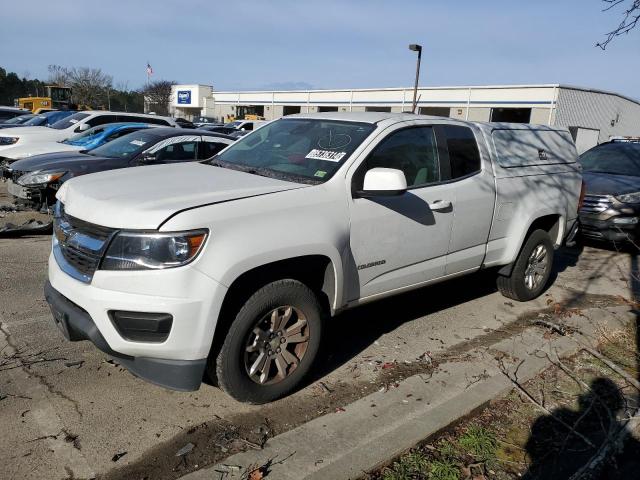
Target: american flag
[[149, 70]]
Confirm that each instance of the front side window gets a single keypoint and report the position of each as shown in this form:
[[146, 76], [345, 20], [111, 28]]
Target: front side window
[[298, 149], [176, 152], [209, 148], [69, 121], [102, 120], [412, 150], [464, 157], [87, 135]]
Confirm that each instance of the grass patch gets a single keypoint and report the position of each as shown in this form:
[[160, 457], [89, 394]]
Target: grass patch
[[410, 466], [479, 442], [443, 470]]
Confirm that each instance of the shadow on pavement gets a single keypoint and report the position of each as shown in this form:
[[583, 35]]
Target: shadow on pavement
[[577, 444]]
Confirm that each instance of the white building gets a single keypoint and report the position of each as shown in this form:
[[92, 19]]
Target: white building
[[187, 101], [592, 116]]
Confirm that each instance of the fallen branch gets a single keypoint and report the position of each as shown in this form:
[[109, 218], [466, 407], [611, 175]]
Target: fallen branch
[[612, 444], [563, 330], [612, 366], [530, 397]]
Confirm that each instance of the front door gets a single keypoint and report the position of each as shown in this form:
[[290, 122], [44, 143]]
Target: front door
[[398, 241]]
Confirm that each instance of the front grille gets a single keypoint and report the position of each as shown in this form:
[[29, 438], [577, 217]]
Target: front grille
[[594, 204], [79, 245]]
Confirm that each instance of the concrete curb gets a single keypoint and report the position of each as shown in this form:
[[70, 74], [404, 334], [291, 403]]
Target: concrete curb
[[381, 426]]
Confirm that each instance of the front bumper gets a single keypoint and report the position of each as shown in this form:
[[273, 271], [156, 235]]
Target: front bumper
[[618, 228], [81, 311]]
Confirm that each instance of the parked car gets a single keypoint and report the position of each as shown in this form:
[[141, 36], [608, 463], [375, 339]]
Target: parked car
[[7, 113], [611, 207], [184, 123], [201, 121], [33, 182], [41, 119], [219, 129], [92, 138], [19, 120], [246, 124], [232, 265], [11, 138]]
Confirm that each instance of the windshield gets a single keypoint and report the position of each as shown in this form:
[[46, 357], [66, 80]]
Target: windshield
[[37, 120], [126, 146], [310, 150], [235, 124], [69, 121], [19, 120], [614, 158]]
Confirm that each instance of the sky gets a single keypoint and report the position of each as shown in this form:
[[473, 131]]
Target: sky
[[281, 44]]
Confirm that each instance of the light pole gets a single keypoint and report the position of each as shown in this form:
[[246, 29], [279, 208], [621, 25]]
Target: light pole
[[416, 48]]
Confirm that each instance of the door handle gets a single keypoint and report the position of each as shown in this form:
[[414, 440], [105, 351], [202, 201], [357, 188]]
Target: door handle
[[440, 205]]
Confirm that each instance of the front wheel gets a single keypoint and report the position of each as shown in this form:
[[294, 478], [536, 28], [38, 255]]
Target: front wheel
[[531, 270], [271, 344]]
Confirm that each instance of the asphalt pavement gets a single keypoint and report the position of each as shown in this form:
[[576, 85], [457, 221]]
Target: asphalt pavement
[[68, 411]]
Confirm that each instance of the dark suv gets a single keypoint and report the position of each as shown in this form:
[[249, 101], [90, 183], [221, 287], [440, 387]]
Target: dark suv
[[611, 208]]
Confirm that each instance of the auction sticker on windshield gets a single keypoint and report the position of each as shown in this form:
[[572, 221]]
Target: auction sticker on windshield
[[138, 143], [328, 155]]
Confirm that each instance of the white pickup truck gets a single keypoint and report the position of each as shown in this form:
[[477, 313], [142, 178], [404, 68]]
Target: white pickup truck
[[231, 266]]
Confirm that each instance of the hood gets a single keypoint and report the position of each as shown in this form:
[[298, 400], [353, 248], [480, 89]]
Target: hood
[[608, 184], [33, 134], [143, 197], [38, 147], [51, 161]]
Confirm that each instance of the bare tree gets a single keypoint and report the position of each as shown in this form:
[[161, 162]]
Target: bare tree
[[157, 96], [630, 19], [58, 75], [89, 85]]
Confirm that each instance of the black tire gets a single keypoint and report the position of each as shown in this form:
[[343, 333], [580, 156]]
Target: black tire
[[229, 365], [514, 285]]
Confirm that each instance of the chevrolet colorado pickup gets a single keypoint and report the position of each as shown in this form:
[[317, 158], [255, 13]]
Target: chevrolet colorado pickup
[[231, 266]]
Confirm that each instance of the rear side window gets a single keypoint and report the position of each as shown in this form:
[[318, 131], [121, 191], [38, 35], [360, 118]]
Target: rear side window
[[464, 157]]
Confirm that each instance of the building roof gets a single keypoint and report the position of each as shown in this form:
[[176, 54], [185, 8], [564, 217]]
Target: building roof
[[453, 87]]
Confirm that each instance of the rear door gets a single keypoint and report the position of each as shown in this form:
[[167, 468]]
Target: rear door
[[470, 176]]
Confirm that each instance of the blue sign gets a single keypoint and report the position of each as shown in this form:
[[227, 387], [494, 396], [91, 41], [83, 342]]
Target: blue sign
[[184, 97]]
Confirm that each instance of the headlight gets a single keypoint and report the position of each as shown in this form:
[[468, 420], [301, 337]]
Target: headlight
[[629, 197], [143, 251], [38, 178], [8, 140]]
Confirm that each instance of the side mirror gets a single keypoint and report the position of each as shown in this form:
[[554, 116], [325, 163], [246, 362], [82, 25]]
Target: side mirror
[[383, 182], [147, 158], [83, 127]]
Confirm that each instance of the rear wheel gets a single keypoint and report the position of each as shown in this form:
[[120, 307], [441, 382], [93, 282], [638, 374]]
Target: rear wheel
[[531, 270], [271, 344]]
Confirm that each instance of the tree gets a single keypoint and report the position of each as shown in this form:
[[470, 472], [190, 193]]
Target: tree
[[157, 96], [58, 75], [90, 86], [630, 19]]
